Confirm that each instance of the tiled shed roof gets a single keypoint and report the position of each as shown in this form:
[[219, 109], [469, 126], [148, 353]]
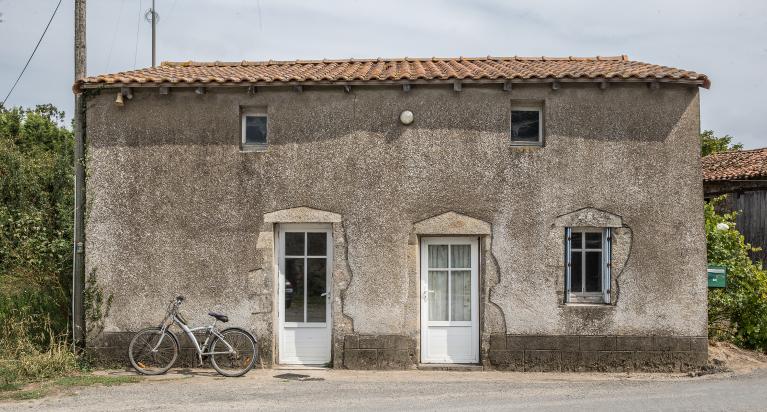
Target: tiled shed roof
[[738, 165], [474, 69]]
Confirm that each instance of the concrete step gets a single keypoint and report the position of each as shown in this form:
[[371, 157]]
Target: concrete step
[[452, 367], [300, 368]]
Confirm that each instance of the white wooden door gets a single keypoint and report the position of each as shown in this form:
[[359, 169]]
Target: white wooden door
[[305, 268], [449, 300]]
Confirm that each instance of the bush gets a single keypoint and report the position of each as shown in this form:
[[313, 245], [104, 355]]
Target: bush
[[36, 203], [737, 313]]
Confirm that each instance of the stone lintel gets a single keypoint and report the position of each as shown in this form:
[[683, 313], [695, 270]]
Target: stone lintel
[[589, 217], [451, 223], [301, 215]]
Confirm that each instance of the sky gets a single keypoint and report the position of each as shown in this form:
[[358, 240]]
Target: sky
[[727, 40]]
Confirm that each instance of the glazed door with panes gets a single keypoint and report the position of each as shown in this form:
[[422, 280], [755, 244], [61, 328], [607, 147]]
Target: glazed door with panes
[[449, 300], [304, 286]]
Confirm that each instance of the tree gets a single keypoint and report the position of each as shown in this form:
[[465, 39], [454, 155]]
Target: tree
[[36, 203], [709, 143]]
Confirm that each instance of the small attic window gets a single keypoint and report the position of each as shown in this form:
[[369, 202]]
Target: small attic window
[[526, 125], [254, 130]]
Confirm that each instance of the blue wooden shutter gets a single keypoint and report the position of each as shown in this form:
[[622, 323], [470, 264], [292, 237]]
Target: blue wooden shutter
[[568, 263], [606, 285]]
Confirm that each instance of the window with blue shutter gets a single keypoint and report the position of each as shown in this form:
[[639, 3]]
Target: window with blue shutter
[[587, 265]]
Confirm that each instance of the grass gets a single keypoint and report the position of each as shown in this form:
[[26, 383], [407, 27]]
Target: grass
[[88, 380], [39, 390], [31, 351], [8, 387]]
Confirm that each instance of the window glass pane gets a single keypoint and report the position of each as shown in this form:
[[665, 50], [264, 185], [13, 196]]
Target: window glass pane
[[460, 295], [594, 240], [294, 290], [294, 243], [255, 129], [577, 240], [437, 256], [525, 125], [316, 244], [576, 283], [316, 276], [438, 294], [593, 271], [460, 256]]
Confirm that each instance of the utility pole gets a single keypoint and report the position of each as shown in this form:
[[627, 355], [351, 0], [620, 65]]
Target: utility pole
[[78, 244], [154, 35]]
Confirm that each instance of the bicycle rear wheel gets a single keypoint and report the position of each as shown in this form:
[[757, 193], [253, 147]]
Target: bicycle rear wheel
[[240, 359], [153, 352]]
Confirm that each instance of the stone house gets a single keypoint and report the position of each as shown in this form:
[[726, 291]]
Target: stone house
[[742, 176], [506, 213]]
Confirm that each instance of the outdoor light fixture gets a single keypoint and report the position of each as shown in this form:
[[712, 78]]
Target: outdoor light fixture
[[119, 99], [406, 117]]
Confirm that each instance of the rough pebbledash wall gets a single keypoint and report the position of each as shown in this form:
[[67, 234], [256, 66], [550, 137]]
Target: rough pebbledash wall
[[174, 207]]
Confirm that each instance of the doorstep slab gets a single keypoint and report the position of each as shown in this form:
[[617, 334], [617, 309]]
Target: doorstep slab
[[300, 368], [452, 367]]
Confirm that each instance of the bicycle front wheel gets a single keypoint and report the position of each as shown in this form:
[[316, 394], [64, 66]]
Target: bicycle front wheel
[[153, 352], [235, 354]]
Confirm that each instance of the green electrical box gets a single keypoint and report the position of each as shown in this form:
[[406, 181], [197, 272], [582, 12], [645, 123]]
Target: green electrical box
[[717, 276]]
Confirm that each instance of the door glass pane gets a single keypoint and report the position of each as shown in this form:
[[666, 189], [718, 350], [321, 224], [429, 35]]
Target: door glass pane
[[593, 240], [593, 271], [460, 256], [437, 256], [576, 284], [316, 276], [317, 244], [294, 290], [460, 295], [294, 243], [437, 298]]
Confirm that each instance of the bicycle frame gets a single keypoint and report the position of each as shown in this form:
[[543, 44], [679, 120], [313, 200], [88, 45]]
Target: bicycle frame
[[210, 331]]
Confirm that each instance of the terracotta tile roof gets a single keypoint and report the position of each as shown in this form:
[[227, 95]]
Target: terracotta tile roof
[[477, 69], [739, 165]]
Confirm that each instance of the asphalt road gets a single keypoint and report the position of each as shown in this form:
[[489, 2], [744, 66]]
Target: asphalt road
[[358, 390]]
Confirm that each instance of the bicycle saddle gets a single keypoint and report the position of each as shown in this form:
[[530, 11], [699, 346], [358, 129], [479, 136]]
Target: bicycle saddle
[[219, 316]]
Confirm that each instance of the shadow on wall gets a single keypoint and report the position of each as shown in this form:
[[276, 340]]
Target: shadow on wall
[[184, 118]]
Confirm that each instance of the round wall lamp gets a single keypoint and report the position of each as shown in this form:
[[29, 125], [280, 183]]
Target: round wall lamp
[[406, 117]]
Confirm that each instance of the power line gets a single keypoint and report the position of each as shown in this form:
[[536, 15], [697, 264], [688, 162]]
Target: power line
[[114, 36], [138, 27], [33, 53]]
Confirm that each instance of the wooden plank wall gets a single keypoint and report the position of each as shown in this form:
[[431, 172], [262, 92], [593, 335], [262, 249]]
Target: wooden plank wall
[[752, 218]]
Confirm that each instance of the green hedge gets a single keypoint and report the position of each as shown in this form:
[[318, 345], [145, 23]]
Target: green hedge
[[737, 313], [36, 204]]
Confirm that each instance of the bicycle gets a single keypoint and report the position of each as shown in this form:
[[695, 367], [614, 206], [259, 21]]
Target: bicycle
[[232, 351]]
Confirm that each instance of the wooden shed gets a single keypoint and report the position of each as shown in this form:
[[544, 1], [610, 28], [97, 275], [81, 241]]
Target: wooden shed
[[742, 176]]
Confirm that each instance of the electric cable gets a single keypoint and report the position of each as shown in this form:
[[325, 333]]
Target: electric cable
[[33, 53], [114, 36]]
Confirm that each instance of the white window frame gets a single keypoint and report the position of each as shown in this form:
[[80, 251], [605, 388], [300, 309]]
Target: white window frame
[[603, 296], [527, 108], [253, 147]]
